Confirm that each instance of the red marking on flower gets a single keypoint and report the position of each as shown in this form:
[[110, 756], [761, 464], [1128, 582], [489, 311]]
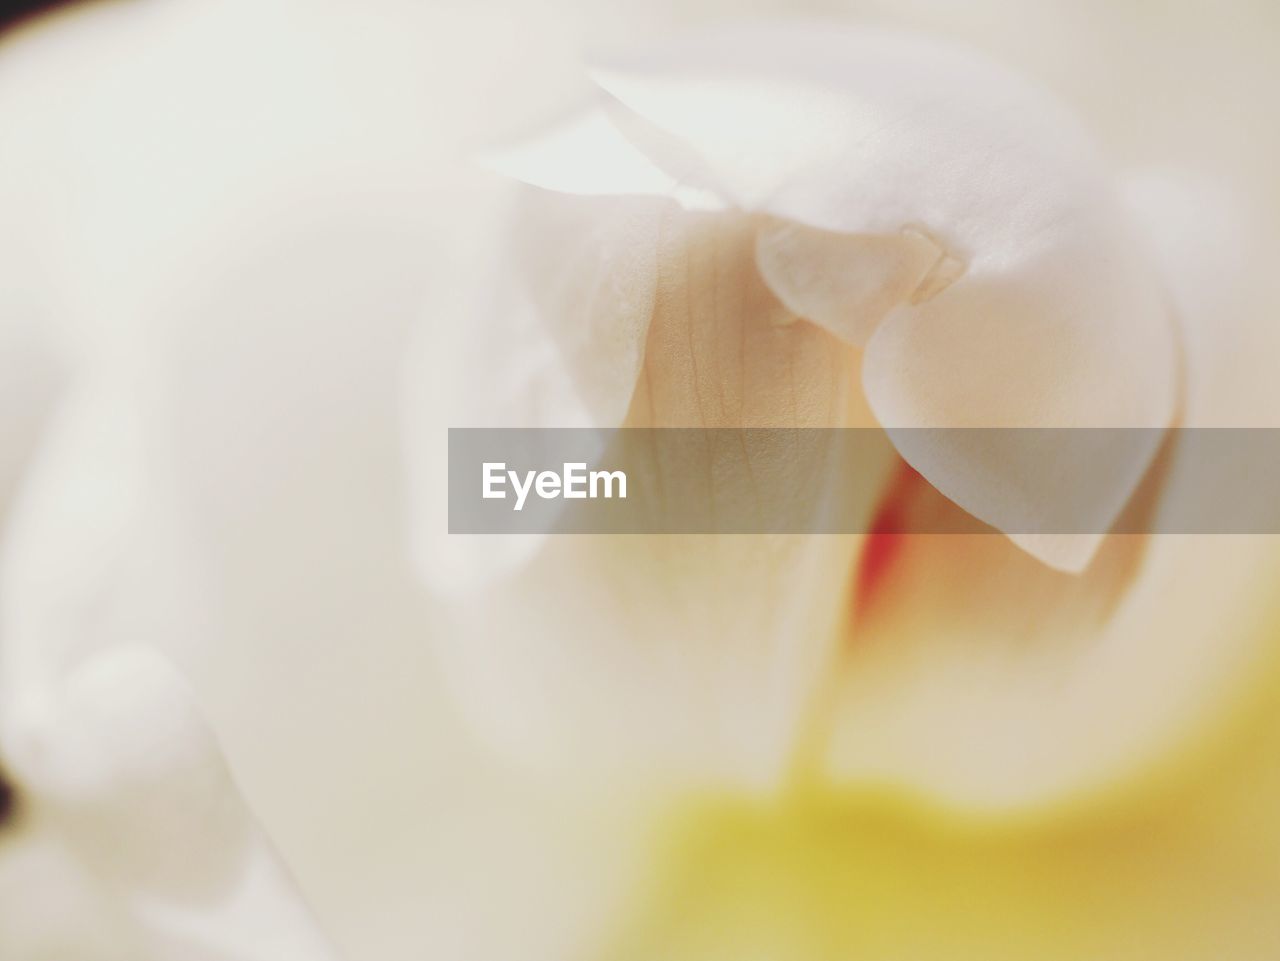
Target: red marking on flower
[[885, 539]]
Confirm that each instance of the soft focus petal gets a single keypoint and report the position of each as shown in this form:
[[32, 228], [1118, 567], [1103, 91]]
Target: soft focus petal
[[137, 783], [980, 678], [1211, 241], [683, 657], [236, 254], [51, 905], [846, 283], [1185, 869], [1038, 306], [95, 552], [587, 154], [558, 342], [32, 372]]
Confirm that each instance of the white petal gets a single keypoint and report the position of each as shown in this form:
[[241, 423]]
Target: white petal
[[1043, 311], [984, 681], [51, 905], [94, 553], [846, 283], [558, 342], [1211, 245], [693, 657], [1046, 348], [587, 154], [32, 374], [137, 781]]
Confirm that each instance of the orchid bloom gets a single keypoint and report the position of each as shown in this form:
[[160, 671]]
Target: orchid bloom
[[808, 226], [255, 702]]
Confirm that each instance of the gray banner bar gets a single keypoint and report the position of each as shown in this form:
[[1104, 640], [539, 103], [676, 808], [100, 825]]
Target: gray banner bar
[[820, 481]]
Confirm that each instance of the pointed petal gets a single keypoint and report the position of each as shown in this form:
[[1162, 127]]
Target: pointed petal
[[984, 681], [587, 154], [1040, 310]]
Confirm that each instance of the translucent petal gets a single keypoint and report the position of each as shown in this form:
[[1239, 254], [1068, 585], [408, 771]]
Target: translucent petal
[[984, 681], [1040, 308], [846, 283], [989, 682], [137, 783], [558, 342], [682, 657], [587, 154]]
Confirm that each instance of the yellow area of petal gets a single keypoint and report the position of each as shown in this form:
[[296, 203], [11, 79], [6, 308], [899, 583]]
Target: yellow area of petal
[[1184, 868]]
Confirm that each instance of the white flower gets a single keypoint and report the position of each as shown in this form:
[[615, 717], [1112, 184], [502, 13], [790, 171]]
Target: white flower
[[759, 227], [921, 204], [222, 222]]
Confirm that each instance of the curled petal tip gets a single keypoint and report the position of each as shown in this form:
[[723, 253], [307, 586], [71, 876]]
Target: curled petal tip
[[588, 155], [1068, 553]]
